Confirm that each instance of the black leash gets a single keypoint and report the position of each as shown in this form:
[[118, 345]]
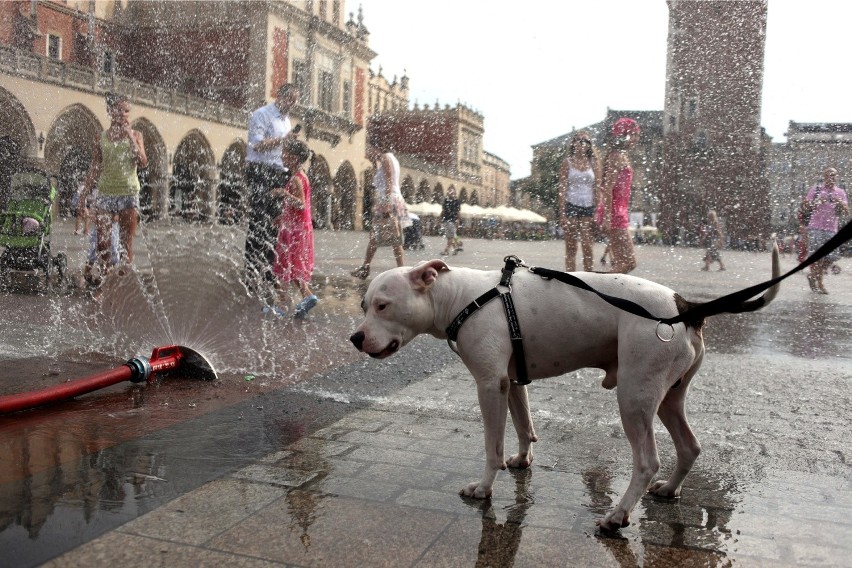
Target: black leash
[[734, 303]]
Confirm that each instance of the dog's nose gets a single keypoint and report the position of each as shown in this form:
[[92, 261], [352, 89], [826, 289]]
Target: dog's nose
[[357, 340]]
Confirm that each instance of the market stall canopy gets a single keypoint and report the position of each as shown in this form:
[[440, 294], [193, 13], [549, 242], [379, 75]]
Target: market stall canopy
[[473, 211], [425, 209], [507, 213], [503, 212]]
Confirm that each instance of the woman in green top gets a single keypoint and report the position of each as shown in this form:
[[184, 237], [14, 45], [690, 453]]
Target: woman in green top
[[116, 156]]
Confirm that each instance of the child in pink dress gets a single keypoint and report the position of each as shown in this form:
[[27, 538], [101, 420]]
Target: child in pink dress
[[294, 251]]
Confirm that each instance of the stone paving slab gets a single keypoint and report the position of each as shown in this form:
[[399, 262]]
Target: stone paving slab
[[374, 490], [379, 487]]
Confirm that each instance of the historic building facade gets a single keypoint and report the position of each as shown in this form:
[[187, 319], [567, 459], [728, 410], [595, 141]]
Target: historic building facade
[[193, 72], [714, 151], [496, 175], [439, 148]]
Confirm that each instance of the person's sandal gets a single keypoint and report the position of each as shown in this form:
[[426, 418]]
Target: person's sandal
[[306, 305], [812, 282], [361, 272], [275, 310]]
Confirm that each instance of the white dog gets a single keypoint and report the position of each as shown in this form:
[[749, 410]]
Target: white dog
[[564, 329]]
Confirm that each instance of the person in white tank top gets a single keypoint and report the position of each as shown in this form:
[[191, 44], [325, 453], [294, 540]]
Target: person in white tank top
[[390, 214], [579, 192]]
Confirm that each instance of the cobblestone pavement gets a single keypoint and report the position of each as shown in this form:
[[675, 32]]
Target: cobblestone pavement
[[361, 462]]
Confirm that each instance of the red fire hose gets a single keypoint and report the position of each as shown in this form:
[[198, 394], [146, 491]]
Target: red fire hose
[[163, 359]]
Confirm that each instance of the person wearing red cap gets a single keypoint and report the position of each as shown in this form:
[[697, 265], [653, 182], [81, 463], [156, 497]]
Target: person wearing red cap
[[613, 214]]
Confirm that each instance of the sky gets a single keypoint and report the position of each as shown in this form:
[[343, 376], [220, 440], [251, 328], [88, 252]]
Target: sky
[[539, 68]]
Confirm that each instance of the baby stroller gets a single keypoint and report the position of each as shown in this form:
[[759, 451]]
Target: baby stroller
[[25, 231], [413, 234]]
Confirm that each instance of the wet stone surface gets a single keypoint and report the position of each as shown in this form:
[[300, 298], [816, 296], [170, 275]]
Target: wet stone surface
[[323, 458]]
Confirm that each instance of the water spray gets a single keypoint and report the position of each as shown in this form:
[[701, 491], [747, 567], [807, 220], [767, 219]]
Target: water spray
[[173, 358]]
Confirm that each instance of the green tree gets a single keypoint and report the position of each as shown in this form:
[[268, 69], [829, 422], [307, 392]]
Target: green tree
[[545, 180]]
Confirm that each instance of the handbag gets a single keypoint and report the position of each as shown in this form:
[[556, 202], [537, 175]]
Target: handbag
[[806, 209], [386, 230]]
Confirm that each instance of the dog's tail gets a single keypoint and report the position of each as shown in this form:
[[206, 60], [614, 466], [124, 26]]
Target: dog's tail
[[770, 294], [693, 314]]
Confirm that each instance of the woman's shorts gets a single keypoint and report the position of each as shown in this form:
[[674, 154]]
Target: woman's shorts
[[450, 229], [572, 210], [116, 203], [817, 238]]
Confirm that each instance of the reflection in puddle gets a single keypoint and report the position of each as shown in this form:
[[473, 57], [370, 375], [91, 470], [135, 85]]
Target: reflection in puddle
[[660, 528], [500, 541]]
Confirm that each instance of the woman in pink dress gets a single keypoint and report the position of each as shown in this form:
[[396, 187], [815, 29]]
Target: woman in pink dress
[[294, 250], [614, 212]]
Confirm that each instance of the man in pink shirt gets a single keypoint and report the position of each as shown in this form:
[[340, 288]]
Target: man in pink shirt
[[828, 205]]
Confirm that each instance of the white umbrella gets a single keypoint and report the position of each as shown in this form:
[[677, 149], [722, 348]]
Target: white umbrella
[[533, 217], [505, 213], [425, 209], [472, 211]]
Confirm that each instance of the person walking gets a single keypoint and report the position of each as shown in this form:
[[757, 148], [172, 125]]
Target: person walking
[[713, 240], [269, 127], [579, 194], [450, 210], [294, 250], [116, 158], [389, 214], [613, 213], [825, 205]]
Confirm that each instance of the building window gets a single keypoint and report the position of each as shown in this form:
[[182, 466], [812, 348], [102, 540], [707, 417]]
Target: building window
[[691, 108], [347, 99], [109, 63], [301, 79], [335, 12], [54, 46], [326, 91]]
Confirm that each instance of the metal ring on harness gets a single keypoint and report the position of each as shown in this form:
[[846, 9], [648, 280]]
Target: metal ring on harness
[[657, 332]]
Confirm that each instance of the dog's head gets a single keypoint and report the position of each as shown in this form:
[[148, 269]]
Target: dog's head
[[397, 308]]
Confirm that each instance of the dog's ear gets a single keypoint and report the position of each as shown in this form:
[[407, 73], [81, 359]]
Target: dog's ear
[[425, 273]]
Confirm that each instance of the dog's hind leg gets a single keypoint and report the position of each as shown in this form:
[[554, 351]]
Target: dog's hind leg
[[672, 413], [638, 407], [519, 408], [493, 404]]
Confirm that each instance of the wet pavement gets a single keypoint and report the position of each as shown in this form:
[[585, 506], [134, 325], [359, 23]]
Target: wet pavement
[[304, 453]]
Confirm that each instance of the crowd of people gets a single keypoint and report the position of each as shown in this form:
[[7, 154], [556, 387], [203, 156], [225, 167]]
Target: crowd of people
[[593, 198]]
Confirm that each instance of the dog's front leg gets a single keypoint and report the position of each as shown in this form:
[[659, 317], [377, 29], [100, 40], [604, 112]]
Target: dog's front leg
[[493, 403], [519, 408]]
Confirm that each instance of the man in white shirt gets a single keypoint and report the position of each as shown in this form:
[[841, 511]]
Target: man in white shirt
[[268, 127]]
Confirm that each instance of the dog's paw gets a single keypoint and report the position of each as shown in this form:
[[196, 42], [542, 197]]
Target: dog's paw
[[520, 461], [612, 523], [475, 491], [664, 489]]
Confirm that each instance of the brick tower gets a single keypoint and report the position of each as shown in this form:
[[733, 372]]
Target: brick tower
[[713, 155]]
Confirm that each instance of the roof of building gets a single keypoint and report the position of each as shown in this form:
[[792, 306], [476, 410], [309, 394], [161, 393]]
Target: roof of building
[[820, 127], [649, 121]]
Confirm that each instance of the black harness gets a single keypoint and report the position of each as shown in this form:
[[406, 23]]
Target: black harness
[[734, 303], [512, 262]]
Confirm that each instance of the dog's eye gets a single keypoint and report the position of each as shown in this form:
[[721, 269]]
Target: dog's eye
[[381, 307]]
